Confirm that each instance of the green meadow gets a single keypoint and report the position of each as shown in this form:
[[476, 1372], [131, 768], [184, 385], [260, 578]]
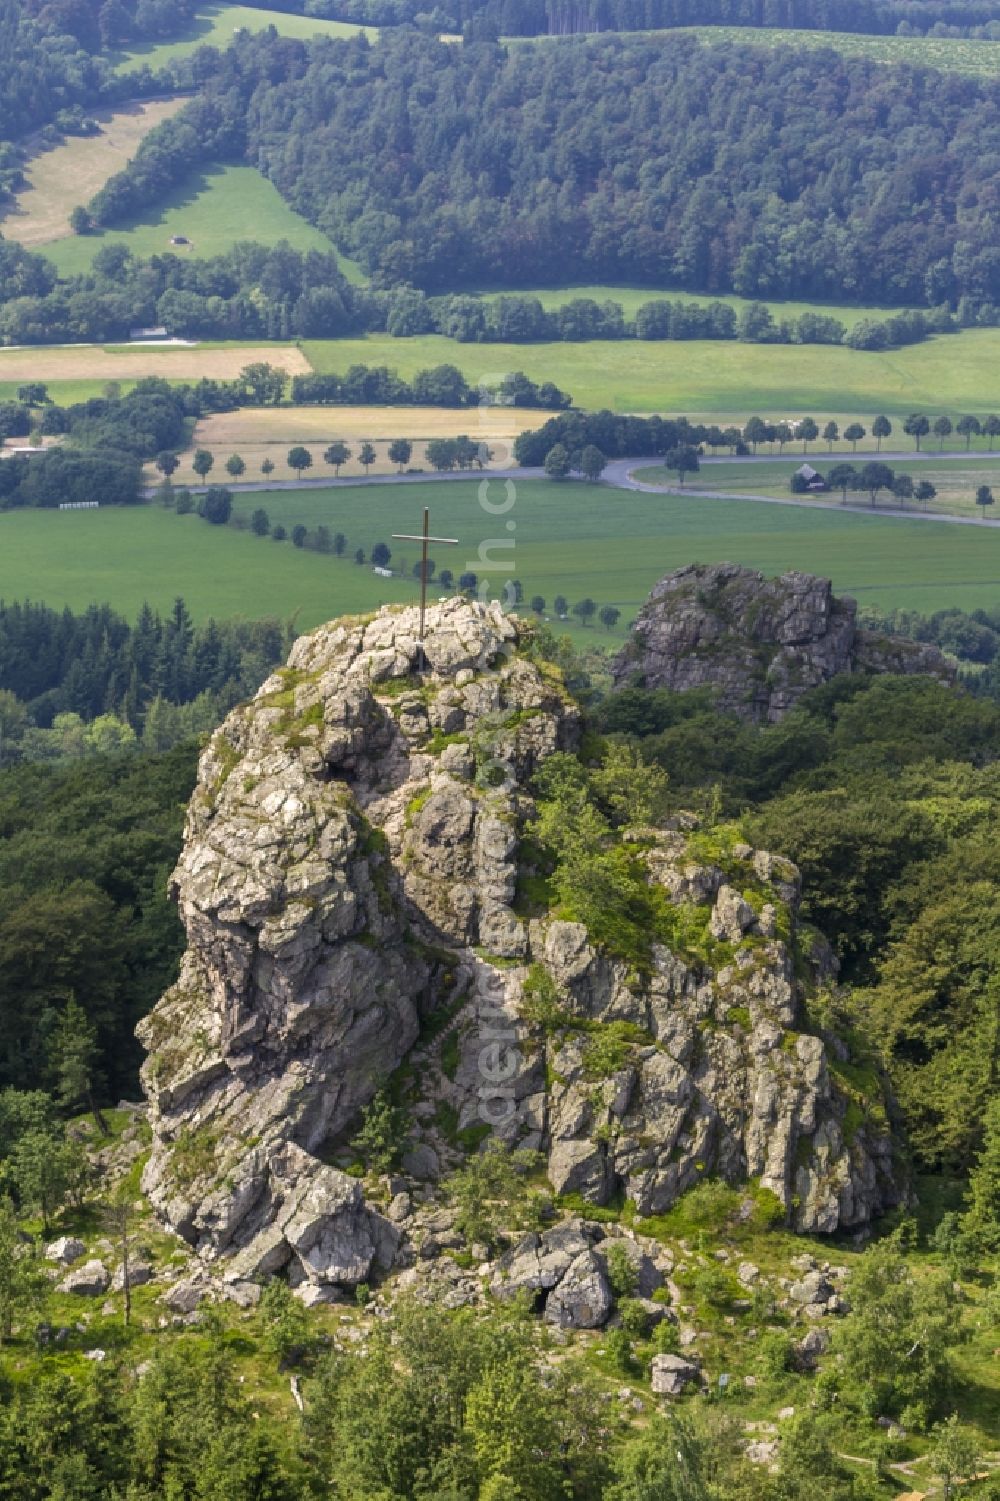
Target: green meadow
[[215, 26], [951, 373], [571, 539], [214, 208], [955, 480]]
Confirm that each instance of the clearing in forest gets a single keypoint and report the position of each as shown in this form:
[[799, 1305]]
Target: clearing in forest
[[212, 209], [72, 172], [215, 25]]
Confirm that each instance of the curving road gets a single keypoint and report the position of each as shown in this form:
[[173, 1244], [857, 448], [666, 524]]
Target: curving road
[[622, 474]]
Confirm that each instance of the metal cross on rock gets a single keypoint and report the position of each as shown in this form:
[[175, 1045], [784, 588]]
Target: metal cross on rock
[[424, 537]]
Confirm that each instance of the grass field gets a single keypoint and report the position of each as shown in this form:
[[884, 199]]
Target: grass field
[[956, 480], [950, 373], [215, 26], [573, 539], [717, 381], [266, 433], [949, 54], [72, 172], [213, 208]]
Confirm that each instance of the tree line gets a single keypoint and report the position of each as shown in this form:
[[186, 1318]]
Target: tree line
[[105, 439], [96, 663]]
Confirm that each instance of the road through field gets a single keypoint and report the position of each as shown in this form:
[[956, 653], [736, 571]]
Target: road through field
[[619, 475]]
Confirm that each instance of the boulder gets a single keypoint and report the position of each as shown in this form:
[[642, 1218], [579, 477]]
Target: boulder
[[813, 1288], [185, 1296], [88, 1281], [66, 1250], [582, 1298], [139, 1273], [671, 1374]]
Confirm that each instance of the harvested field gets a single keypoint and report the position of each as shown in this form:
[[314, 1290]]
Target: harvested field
[[74, 171], [124, 363], [305, 424], [267, 434]]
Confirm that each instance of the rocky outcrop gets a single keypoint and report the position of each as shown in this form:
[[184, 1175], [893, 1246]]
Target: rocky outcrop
[[352, 836], [759, 643], [349, 887]]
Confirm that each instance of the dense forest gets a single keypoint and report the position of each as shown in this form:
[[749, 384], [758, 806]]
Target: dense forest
[[655, 160], [51, 67]]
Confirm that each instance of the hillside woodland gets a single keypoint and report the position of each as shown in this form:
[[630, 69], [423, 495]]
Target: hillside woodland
[[652, 159]]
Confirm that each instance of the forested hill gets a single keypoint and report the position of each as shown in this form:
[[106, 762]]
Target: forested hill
[[652, 159]]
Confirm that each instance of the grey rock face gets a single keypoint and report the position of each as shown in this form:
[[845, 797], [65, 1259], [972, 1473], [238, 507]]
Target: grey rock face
[[332, 854], [759, 642], [347, 875]]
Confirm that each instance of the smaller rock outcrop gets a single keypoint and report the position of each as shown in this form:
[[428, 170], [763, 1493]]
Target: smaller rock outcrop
[[760, 643], [65, 1250], [671, 1374]]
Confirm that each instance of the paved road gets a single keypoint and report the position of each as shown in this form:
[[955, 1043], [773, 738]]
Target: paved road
[[358, 479]]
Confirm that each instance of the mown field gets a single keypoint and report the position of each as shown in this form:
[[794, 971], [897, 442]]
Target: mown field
[[215, 26], [573, 539], [72, 172], [951, 373], [949, 54], [718, 381], [955, 480], [213, 208], [75, 371]]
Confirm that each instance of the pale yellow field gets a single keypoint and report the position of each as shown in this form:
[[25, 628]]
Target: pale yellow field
[[174, 362], [72, 173], [257, 434], [302, 424]]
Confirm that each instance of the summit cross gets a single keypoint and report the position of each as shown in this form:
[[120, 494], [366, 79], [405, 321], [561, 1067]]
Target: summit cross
[[425, 538]]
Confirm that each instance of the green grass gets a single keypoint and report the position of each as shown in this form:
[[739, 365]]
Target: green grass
[[214, 208], [951, 373], [950, 54], [214, 26], [145, 553], [572, 539], [956, 480]]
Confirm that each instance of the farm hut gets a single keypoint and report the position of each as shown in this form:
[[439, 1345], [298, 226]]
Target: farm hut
[[811, 478]]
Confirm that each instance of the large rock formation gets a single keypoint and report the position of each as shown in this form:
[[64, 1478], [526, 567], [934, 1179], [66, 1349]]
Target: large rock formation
[[349, 886], [760, 643]]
